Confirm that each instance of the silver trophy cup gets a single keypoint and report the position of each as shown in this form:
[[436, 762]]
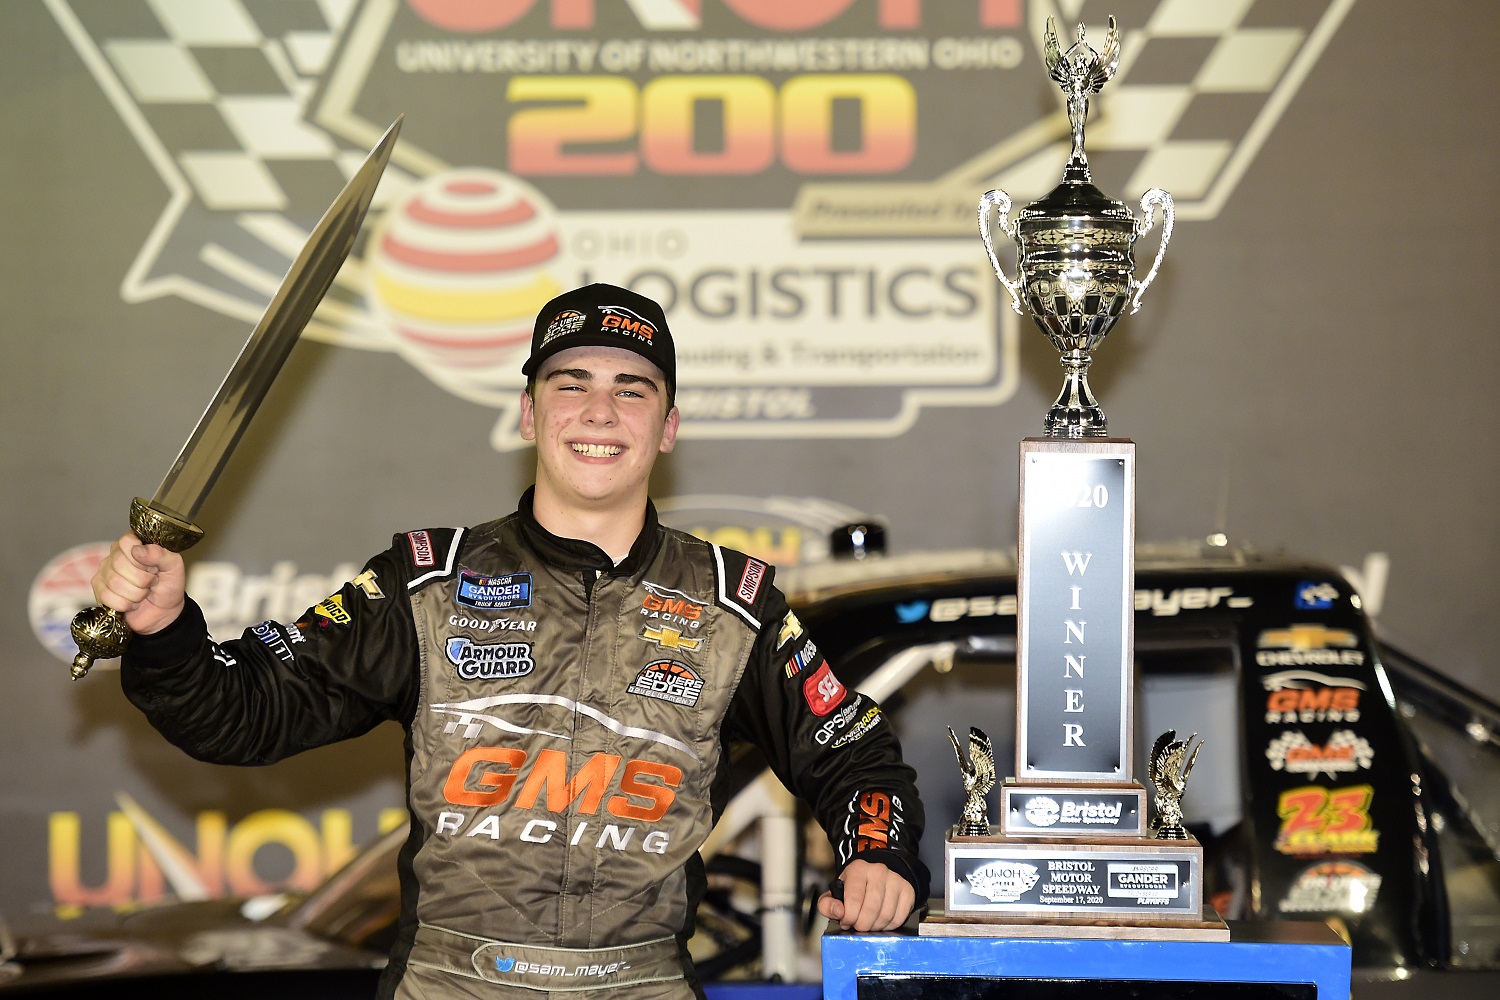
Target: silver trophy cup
[[1075, 247]]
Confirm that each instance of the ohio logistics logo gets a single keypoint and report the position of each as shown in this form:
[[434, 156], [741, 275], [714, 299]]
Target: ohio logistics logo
[[134, 859], [791, 120]]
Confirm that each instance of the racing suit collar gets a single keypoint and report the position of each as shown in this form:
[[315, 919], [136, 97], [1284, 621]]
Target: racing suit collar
[[575, 554]]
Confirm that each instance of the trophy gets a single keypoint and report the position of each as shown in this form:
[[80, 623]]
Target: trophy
[[1072, 855], [979, 778], [1075, 248], [1171, 763]]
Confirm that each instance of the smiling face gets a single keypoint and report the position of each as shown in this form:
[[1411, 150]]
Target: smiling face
[[599, 418]]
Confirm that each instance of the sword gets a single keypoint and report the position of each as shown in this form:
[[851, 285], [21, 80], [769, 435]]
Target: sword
[[167, 518]]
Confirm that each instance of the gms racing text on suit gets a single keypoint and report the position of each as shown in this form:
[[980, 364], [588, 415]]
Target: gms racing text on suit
[[567, 723]]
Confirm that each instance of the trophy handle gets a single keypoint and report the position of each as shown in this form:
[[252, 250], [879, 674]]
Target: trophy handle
[[989, 200], [1154, 198]]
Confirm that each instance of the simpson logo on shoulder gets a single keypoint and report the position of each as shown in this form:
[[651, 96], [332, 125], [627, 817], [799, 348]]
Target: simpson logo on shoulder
[[421, 549], [750, 579]]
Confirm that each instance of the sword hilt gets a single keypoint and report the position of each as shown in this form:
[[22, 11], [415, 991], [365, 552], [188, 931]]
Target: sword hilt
[[101, 633]]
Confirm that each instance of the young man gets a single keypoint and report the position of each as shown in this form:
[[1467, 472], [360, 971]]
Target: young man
[[569, 677]]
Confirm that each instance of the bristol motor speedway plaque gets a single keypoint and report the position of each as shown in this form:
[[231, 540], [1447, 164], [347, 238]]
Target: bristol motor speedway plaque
[[1129, 879], [1073, 812]]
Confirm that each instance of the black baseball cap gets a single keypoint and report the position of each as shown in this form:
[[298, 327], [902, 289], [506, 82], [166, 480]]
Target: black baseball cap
[[601, 315]]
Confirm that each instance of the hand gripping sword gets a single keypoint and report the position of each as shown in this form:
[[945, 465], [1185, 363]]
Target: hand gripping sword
[[167, 518]]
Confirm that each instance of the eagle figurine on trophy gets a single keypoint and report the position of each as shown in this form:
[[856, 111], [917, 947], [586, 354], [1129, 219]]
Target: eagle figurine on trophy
[[1171, 763], [979, 778]]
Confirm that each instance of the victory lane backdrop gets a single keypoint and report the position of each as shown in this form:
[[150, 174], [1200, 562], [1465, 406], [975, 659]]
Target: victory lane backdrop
[[796, 182]]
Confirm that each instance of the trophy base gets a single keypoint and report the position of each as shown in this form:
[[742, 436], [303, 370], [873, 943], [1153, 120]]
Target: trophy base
[[1075, 413], [1040, 809], [1075, 423], [1208, 927], [1104, 881]]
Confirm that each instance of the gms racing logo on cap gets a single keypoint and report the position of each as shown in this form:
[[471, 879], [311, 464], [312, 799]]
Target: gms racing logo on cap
[[566, 322], [627, 322], [477, 661], [667, 680]]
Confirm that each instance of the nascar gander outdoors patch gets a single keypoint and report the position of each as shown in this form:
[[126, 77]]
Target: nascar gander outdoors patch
[[494, 593], [665, 680]]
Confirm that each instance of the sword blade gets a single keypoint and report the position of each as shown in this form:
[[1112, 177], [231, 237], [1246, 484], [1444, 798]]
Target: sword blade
[[208, 448]]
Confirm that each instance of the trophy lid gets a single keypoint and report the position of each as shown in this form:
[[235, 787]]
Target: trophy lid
[[1074, 200]]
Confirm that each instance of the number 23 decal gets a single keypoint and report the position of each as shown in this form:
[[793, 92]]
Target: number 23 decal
[[1318, 820]]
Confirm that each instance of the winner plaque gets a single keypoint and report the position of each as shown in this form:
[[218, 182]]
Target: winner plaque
[[1073, 854]]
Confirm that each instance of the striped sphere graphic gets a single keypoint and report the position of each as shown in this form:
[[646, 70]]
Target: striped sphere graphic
[[459, 270]]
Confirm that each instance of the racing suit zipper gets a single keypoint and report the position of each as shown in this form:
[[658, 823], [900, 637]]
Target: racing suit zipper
[[589, 577]]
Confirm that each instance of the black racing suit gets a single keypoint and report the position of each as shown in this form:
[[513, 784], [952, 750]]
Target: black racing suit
[[567, 721]]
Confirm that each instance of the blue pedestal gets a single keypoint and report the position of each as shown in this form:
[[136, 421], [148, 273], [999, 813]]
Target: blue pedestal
[[1300, 960]]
